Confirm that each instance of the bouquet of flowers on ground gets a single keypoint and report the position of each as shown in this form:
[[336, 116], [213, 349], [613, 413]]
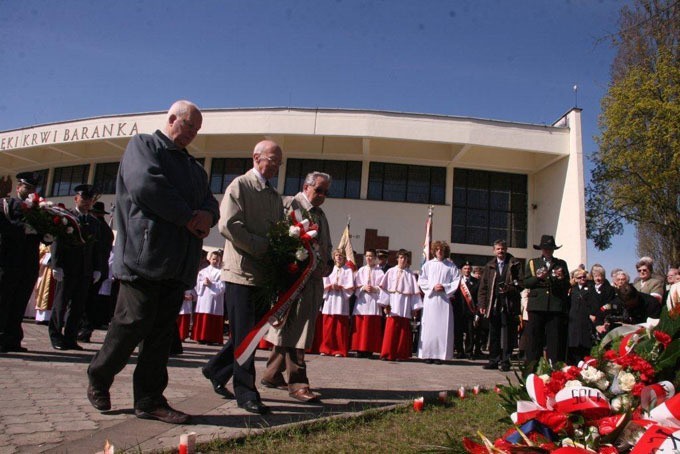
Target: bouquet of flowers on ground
[[50, 221], [620, 399]]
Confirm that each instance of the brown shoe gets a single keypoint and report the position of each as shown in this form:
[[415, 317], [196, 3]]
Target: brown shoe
[[164, 413], [272, 385], [100, 399], [304, 395]]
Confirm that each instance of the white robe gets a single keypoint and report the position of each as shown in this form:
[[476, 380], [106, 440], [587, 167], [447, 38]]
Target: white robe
[[188, 302], [437, 324], [210, 298], [336, 302], [367, 303], [399, 290]]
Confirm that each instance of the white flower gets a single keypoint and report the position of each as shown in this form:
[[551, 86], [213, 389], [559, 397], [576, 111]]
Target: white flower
[[301, 255], [294, 231], [43, 204], [612, 369], [572, 384], [616, 404], [312, 233], [64, 221], [626, 381], [69, 230], [49, 203], [544, 377], [596, 377]]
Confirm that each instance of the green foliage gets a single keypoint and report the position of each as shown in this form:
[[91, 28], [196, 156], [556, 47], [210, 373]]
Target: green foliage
[[636, 177]]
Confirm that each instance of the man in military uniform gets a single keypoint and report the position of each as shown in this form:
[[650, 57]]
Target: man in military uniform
[[97, 308], [75, 267], [464, 311], [547, 279], [19, 245]]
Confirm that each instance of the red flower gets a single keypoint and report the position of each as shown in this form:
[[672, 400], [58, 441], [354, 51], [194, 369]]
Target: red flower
[[56, 220], [610, 355], [662, 338], [637, 389], [573, 373], [293, 268]]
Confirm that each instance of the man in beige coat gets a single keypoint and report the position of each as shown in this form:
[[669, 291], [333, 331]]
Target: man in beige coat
[[249, 208], [297, 334]]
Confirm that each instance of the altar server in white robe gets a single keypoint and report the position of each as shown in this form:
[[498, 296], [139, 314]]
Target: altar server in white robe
[[400, 297], [185, 313], [439, 279], [338, 287], [209, 314], [367, 330]]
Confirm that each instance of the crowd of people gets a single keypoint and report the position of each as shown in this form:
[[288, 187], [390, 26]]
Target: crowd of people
[[167, 289]]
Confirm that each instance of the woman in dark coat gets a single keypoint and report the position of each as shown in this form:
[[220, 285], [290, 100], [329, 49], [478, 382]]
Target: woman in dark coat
[[582, 310], [605, 297]]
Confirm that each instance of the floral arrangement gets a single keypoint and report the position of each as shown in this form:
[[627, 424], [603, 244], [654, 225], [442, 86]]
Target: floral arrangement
[[292, 256], [621, 399], [51, 221]]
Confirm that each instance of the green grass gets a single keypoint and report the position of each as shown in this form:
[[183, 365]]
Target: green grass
[[397, 430]]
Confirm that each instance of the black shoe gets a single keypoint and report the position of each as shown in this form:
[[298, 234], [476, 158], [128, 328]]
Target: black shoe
[[15, 348], [164, 413], [84, 338], [460, 356], [73, 346], [101, 400], [255, 406], [490, 366], [58, 345], [217, 386], [428, 361], [437, 361], [505, 367]]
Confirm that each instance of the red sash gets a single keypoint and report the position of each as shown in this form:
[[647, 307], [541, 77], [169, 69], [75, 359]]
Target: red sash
[[465, 291]]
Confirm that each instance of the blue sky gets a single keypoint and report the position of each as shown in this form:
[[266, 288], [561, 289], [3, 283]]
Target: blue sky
[[501, 59]]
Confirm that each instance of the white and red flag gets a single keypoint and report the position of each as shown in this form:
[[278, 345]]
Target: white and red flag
[[428, 238], [346, 245]]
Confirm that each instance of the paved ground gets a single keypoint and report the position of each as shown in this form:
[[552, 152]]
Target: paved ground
[[43, 406]]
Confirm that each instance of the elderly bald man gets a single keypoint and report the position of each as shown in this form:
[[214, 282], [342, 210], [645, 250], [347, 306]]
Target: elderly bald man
[[164, 209]]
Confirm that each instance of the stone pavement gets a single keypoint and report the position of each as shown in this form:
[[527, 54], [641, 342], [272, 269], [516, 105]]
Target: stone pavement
[[43, 406]]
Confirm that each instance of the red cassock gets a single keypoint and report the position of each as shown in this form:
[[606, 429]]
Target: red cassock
[[335, 335], [208, 328], [184, 325], [318, 335], [367, 333], [398, 341]]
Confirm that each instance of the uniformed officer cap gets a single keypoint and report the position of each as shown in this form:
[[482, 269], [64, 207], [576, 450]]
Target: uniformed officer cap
[[382, 253], [466, 263], [29, 178], [86, 190]]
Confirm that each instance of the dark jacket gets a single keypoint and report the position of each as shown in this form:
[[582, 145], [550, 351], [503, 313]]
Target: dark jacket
[[459, 300], [548, 294], [158, 188], [18, 251], [79, 259], [489, 297], [603, 300], [582, 305]]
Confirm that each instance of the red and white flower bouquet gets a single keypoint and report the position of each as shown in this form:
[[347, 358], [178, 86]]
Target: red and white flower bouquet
[[619, 400]]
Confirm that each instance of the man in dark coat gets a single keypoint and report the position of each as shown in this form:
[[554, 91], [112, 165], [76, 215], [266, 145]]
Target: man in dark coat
[[464, 312], [75, 267], [499, 301], [97, 307], [19, 265], [164, 209], [547, 279]]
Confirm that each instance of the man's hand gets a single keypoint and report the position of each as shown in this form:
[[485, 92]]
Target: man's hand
[[438, 288], [200, 223]]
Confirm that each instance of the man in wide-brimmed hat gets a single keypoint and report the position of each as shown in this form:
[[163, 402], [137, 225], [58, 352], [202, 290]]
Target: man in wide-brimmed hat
[[547, 279]]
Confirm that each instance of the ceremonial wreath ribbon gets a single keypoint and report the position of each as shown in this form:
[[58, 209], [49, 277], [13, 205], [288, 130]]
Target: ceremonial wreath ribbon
[[276, 316]]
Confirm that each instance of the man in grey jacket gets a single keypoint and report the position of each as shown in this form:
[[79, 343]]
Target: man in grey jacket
[[249, 208], [297, 334], [164, 209]]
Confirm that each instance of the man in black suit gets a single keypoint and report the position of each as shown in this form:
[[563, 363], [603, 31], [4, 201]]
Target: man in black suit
[[499, 302], [75, 267], [464, 311], [18, 263]]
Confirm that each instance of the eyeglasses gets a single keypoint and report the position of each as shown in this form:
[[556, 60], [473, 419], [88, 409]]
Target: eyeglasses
[[643, 270], [321, 191], [274, 161]]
